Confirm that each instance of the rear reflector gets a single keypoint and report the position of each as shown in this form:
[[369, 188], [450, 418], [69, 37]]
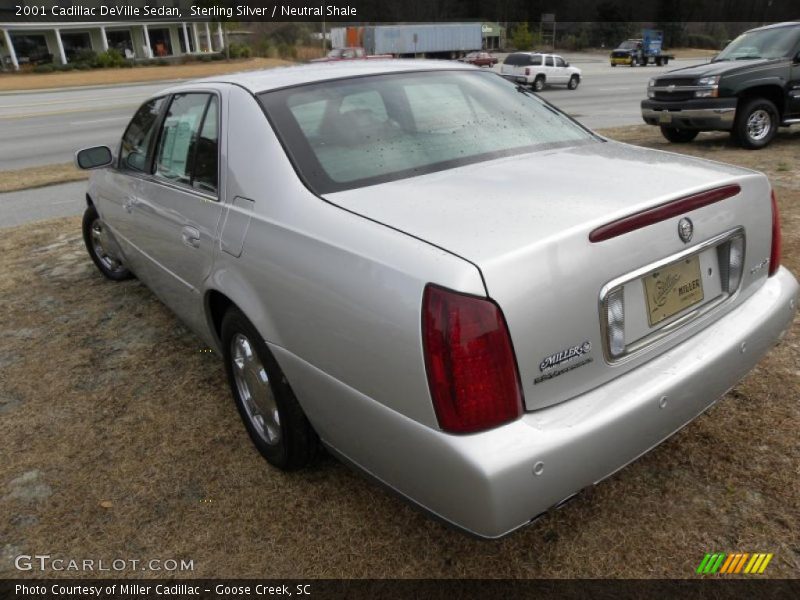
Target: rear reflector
[[775, 253], [472, 372], [662, 212]]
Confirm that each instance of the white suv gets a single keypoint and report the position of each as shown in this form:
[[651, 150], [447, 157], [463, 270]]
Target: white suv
[[537, 70]]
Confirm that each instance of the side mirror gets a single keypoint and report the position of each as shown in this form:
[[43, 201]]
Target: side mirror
[[94, 158], [797, 57], [566, 64]]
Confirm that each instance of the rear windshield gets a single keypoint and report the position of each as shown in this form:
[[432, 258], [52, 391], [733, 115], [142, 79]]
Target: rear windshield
[[776, 42], [523, 60], [350, 133]]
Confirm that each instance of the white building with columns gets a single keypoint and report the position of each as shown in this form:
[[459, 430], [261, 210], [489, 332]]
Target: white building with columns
[[60, 43]]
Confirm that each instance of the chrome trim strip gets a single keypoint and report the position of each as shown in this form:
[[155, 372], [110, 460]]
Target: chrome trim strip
[[633, 349], [723, 115]]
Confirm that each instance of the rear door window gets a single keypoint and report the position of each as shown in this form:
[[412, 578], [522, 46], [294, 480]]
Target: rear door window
[[187, 146]]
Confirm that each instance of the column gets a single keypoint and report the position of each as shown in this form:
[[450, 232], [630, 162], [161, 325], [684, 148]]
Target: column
[[148, 50], [103, 38], [208, 38], [196, 38], [186, 39], [220, 37], [61, 54], [11, 50]]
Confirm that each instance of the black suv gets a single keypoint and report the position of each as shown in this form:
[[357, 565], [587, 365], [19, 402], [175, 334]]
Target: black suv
[[750, 89]]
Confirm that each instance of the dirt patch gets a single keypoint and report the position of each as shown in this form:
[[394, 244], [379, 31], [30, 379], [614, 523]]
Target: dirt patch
[[38, 81], [33, 177], [132, 428]]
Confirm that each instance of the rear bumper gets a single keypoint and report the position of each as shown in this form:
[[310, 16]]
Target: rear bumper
[[494, 482], [712, 114]]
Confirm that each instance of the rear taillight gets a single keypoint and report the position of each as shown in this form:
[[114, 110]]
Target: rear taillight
[[775, 253], [527, 71], [472, 372]]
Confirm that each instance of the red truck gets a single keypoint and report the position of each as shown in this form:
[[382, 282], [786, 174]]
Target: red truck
[[349, 53]]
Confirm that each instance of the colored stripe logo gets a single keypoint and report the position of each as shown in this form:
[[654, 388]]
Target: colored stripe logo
[[737, 563]]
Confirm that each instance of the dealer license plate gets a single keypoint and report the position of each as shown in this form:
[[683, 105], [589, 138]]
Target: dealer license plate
[[672, 289]]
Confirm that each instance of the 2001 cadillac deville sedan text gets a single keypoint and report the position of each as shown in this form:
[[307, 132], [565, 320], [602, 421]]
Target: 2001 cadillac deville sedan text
[[440, 277]]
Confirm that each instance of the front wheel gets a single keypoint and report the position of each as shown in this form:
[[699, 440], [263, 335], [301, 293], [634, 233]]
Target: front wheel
[[273, 417], [573, 82], [96, 238], [678, 136], [756, 124]]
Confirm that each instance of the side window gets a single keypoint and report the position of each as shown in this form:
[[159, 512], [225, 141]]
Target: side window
[[560, 62], [205, 165], [549, 62], [180, 138], [134, 152], [536, 61]]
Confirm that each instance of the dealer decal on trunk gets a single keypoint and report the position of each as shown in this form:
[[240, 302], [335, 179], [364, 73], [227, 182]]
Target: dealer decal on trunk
[[568, 355]]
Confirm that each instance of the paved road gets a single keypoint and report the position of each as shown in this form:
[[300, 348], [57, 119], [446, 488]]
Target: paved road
[[607, 97], [49, 202], [43, 128]]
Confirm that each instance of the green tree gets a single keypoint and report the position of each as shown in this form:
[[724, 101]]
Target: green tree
[[521, 37]]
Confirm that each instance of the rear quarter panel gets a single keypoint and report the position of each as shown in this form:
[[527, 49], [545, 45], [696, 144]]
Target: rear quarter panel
[[338, 291]]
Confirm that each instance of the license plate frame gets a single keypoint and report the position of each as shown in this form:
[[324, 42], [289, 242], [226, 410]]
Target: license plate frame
[[665, 118], [672, 289]]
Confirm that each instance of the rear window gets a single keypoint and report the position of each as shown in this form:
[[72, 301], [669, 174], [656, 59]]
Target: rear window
[[351, 133], [517, 60]]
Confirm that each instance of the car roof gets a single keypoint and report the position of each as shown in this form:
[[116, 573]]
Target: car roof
[[280, 77], [777, 26]]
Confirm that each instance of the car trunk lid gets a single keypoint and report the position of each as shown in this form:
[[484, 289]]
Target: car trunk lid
[[525, 223]]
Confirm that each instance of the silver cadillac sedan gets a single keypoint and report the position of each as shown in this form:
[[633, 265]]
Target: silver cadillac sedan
[[439, 277]]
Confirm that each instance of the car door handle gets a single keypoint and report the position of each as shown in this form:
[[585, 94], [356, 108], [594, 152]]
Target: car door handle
[[191, 236]]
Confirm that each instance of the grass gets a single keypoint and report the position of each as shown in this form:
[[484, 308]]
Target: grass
[[140, 452], [33, 177], [37, 81]]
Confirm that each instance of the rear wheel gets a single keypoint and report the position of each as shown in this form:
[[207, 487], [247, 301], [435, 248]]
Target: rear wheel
[[273, 417], [678, 136], [538, 84], [756, 124], [573, 82], [95, 236]]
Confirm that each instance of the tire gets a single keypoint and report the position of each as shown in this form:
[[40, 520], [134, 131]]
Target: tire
[[96, 240], [633, 62], [538, 84], [756, 123], [613, 65], [271, 414], [665, 61], [679, 136], [658, 62], [573, 82]]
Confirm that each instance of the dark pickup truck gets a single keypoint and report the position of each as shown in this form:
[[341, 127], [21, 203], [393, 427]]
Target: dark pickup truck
[[750, 88]]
